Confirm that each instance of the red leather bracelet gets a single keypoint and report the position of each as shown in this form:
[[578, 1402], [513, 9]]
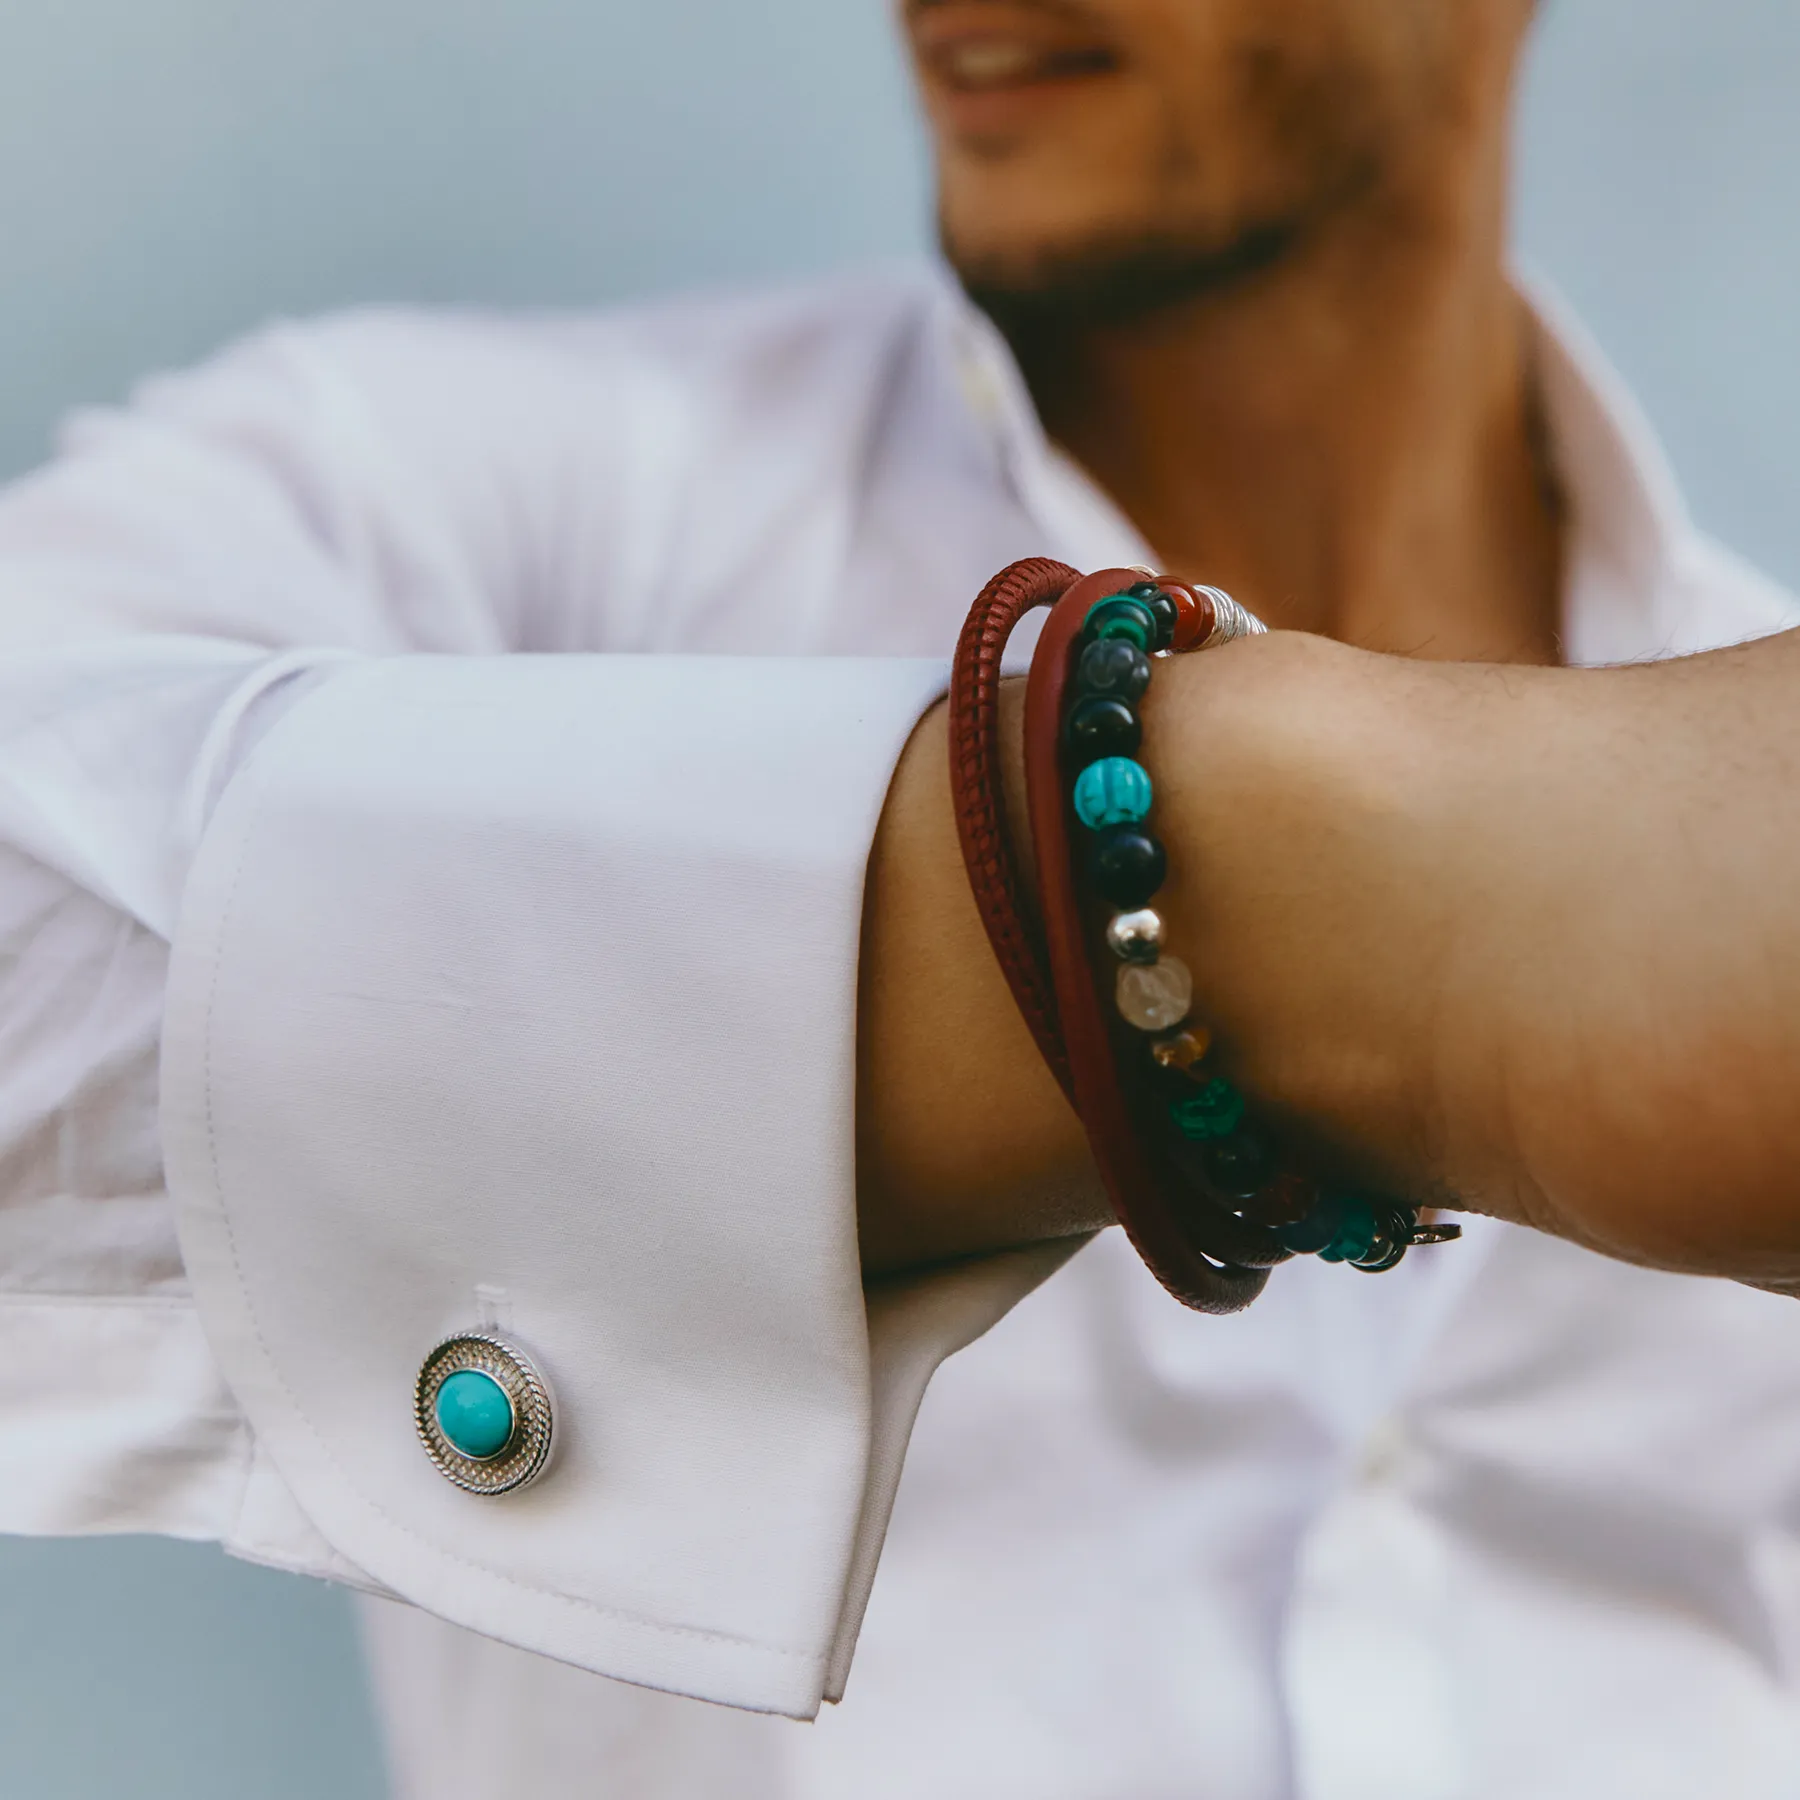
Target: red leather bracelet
[[1190, 1246]]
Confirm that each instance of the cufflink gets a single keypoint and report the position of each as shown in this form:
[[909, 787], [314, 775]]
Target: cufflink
[[484, 1413]]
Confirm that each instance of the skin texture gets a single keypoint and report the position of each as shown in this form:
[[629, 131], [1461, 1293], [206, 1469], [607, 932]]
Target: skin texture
[[1531, 948], [1502, 935]]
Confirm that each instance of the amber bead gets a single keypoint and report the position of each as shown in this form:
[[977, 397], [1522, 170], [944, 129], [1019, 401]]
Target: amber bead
[[1183, 1052]]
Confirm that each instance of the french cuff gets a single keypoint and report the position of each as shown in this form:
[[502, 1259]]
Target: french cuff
[[519, 993]]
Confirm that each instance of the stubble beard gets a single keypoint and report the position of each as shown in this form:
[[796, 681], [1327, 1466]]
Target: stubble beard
[[1113, 279], [1330, 157]]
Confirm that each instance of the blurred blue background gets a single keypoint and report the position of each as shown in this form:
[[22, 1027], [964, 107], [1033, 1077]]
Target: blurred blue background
[[173, 171]]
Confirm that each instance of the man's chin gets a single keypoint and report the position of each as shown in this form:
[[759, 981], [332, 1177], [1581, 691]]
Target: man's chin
[[1112, 279]]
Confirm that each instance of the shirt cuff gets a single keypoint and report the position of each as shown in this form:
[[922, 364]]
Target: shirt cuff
[[523, 989]]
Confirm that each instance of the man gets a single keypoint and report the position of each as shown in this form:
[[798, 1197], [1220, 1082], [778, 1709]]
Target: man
[[519, 992]]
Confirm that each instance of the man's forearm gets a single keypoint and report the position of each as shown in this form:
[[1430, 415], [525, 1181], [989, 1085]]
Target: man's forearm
[[1523, 939], [1642, 868], [965, 1142]]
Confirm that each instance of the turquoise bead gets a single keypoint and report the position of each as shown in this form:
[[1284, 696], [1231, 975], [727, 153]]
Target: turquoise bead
[[1356, 1233], [1113, 791], [475, 1414], [1215, 1112]]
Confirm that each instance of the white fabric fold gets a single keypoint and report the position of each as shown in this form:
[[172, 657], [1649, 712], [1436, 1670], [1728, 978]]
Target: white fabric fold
[[535, 994], [498, 973]]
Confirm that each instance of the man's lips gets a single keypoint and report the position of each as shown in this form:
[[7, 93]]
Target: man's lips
[[980, 64], [991, 46]]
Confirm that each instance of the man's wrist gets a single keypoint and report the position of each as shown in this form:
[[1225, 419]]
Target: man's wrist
[[1299, 781]]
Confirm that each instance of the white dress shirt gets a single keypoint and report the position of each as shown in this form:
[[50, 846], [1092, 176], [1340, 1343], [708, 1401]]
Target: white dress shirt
[[1510, 1521], [512, 988]]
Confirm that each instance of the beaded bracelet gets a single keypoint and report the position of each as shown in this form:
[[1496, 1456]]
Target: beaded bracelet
[[1208, 1257], [1111, 795], [1197, 1185]]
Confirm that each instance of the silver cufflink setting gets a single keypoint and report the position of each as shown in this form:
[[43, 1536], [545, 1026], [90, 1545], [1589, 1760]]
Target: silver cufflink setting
[[484, 1413]]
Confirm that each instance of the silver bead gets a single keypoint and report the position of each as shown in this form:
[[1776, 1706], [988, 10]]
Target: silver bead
[[1155, 996], [1135, 937], [1230, 620]]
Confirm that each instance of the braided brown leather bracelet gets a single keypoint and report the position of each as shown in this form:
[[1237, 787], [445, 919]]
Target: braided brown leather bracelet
[[977, 790]]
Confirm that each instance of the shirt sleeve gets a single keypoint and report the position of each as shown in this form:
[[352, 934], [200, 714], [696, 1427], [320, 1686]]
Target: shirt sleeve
[[359, 985]]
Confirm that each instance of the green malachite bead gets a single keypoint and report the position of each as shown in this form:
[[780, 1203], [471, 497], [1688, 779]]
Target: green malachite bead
[[475, 1414], [1113, 791], [1121, 616], [1128, 631], [1215, 1112]]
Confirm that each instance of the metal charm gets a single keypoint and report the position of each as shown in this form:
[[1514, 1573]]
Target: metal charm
[[1231, 620], [1135, 937], [526, 1453], [1399, 1232]]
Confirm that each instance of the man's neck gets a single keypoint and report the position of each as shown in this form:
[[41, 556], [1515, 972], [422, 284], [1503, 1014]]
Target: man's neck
[[1348, 440]]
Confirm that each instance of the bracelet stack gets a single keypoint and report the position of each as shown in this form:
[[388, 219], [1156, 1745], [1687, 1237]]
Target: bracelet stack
[[1202, 1188]]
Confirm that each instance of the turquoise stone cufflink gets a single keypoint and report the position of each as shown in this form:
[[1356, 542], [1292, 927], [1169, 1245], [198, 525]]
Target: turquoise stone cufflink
[[484, 1413], [474, 1413]]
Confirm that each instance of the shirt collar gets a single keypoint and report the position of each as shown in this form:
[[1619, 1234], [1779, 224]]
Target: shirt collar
[[1628, 528]]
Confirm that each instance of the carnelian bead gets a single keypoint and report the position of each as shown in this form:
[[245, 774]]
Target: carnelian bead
[[1193, 615]]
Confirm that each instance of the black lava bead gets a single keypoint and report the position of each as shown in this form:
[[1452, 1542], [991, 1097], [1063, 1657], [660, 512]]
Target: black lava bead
[[1129, 866], [1115, 668], [1238, 1166], [1161, 606], [1100, 726]]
